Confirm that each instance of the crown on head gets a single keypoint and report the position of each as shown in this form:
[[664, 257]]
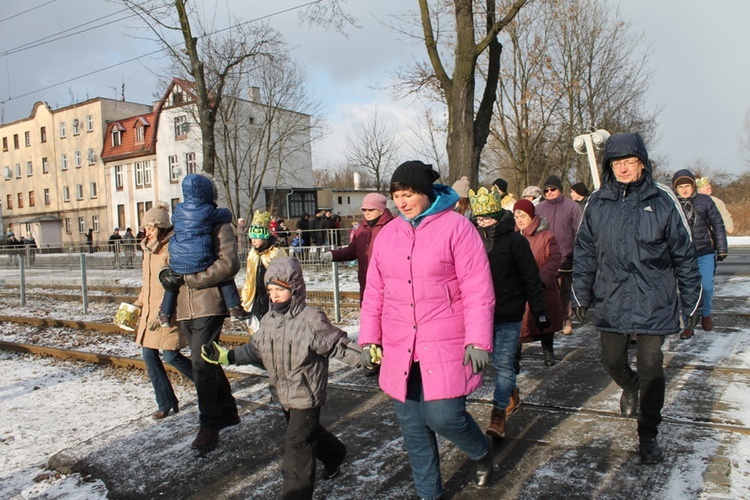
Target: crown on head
[[485, 203], [261, 219]]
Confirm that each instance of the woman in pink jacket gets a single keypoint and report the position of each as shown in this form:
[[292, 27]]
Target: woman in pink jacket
[[429, 304]]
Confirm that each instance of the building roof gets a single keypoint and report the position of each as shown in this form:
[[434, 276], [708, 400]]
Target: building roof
[[128, 147]]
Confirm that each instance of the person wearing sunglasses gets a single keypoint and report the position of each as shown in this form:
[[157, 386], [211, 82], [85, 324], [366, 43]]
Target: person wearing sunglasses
[[563, 216]]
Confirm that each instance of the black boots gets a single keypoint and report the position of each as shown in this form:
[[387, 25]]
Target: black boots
[[650, 450], [629, 403], [549, 357], [484, 469]]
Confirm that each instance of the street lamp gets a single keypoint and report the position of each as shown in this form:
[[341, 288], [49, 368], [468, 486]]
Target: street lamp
[[588, 144]]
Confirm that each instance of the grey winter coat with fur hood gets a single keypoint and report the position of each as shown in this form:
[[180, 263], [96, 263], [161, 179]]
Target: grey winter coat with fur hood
[[294, 345]]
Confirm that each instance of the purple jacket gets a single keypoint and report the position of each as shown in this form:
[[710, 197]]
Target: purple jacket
[[429, 294], [563, 216]]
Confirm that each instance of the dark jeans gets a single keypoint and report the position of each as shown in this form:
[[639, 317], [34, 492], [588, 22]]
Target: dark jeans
[[215, 401], [649, 379], [305, 441], [165, 396], [228, 290]]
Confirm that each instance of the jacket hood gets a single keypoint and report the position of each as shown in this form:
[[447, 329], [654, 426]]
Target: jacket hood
[[289, 271], [681, 176], [622, 146], [445, 199], [197, 188]]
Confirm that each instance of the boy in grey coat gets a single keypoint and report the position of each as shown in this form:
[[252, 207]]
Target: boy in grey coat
[[294, 343]]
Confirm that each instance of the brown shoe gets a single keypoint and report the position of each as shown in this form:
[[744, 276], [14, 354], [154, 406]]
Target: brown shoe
[[515, 402], [707, 323], [206, 439], [497, 424], [687, 333]]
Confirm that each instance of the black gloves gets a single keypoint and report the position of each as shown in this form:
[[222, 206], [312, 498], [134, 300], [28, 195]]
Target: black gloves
[[580, 313], [721, 257], [542, 322], [692, 321], [170, 280], [478, 358]]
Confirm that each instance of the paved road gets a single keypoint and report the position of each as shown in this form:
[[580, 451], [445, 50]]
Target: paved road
[[566, 441]]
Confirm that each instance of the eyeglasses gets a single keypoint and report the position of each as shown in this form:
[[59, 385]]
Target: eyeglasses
[[483, 219], [548, 190], [628, 162]]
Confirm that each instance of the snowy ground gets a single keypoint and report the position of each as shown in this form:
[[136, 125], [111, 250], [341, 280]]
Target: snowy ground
[[49, 406]]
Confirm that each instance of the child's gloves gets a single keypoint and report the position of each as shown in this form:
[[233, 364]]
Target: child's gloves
[[215, 354], [170, 280], [326, 257]]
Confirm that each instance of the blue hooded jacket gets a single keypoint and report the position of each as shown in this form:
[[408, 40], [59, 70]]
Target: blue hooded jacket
[[634, 250], [191, 247]]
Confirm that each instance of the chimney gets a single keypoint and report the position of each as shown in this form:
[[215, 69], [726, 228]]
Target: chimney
[[253, 94], [356, 180]]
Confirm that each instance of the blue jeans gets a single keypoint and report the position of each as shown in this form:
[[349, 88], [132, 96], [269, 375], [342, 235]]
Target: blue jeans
[[421, 421], [165, 396], [503, 356], [707, 267]]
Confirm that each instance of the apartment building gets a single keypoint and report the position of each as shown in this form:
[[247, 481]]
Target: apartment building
[[54, 182]]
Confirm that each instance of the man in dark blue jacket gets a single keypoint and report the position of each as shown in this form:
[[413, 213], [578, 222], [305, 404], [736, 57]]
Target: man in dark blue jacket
[[632, 254]]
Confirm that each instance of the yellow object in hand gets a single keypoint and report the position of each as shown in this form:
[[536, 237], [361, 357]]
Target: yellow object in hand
[[376, 354]]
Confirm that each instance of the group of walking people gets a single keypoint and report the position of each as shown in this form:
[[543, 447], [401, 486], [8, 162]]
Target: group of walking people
[[443, 295]]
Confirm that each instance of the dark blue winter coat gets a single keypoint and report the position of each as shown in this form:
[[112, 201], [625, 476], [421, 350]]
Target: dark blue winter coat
[[191, 247], [709, 234], [634, 250]]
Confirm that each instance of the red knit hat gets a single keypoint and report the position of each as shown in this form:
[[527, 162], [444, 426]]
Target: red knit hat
[[525, 206]]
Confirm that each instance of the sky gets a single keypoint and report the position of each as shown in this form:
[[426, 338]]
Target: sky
[[698, 57]]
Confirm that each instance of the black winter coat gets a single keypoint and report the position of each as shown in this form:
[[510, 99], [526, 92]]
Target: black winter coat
[[709, 234], [515, 275], [634, 250]]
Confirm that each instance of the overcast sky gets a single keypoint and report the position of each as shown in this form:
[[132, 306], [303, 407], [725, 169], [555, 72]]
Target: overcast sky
[[699, 57]]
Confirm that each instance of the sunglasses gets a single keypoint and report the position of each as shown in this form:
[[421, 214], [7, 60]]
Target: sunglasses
[[548, 190]]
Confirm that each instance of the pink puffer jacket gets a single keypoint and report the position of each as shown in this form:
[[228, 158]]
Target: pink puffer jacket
[[429, 294]]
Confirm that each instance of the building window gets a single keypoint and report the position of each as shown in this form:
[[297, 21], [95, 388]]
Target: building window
[[29, 169], [66, 193], [76, 127], [18, 170], [5, 144], [301, 202], [94, 192], [90, 123], [43, 134], [47, 198], [27, 138], [95, 223], [120, 215], [91, 156], [174, 169], [63, 133], [190, 164], [15, 141], [77, 159], [63, 162], [79, 191], [8, 173], [20, 200], [140, 134], [116, 137], [142, 208], [118, 177], [9, 202], [32, 199], [45, 165], [67, 225], [180, 127], [142, 174], [173, 202], [147, 173], [81, 224]]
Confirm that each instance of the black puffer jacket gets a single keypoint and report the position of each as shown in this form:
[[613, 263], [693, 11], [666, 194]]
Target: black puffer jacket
[[515, 275], [709, 234], [634, 250]]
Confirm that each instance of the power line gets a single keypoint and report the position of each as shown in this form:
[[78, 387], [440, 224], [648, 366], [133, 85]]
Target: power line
[[25, 11]]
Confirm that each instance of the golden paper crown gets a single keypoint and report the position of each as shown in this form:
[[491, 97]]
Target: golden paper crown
[[702, 182], [261, 219], [485, 203]]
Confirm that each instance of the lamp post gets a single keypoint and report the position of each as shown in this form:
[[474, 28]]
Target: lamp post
[[587, 144]]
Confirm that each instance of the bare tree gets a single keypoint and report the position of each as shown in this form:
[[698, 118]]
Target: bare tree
[[372, 148], [429, 143], [222, 50]]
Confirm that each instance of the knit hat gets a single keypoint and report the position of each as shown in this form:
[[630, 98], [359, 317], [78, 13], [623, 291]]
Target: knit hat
[[375, 201], [501, 184], [702, 182], [533, 191], [525, 206], [580, 188], [461, 186], [157, 216], [259, 226], [485, 203], [416, 175], [683, 176], [280, 284], [553, 181]]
